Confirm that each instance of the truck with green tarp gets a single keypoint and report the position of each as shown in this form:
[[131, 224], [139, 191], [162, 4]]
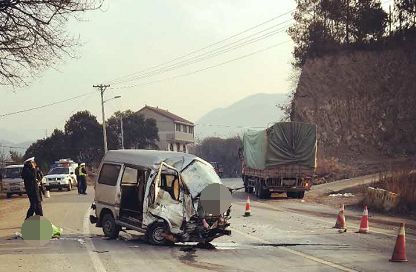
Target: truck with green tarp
[[279, 159]]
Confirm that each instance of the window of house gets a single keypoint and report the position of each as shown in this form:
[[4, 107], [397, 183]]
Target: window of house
[[178, 147], [178, 127], [109, 174], [184, 148], [191, 130], [171, 147]]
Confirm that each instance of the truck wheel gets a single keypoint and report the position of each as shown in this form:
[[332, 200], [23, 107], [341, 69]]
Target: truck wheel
[[300, 195], [155, 232], [110, 228], [264, 193], [9, 195], [256, 190]]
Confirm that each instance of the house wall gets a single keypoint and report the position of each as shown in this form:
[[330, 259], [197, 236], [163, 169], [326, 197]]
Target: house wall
[[165, 126]]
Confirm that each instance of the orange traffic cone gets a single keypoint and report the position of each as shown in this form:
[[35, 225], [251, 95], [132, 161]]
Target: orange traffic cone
[[340, 224], [248, 208], [399, 253], [364, 222]]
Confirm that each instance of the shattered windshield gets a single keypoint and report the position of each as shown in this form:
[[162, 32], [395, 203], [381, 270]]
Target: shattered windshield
[[199, 175]]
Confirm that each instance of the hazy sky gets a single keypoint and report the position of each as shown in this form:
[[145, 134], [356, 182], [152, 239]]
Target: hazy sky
[[129, 35]]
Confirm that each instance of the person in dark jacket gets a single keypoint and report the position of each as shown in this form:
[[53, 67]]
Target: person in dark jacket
[[83, 178], [32, 188]]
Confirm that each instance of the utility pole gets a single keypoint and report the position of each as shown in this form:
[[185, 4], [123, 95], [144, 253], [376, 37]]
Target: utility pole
[[102, 89], [122, 132]]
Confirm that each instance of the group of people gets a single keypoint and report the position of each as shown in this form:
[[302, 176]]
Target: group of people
[[32, 177]]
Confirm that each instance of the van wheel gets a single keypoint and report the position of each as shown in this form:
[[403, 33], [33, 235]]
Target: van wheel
[[110, 228], [9, 195], [155, 232]]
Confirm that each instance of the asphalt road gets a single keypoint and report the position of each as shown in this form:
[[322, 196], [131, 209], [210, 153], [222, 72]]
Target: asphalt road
[[281, 235]]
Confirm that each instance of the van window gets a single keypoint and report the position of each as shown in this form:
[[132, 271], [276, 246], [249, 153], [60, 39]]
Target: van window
[[170, 184], [109, 174], [129, 176]]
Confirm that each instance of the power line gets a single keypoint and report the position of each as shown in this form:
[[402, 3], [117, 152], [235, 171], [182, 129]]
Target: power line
[[207, 55], [203, 69], [203, 48], [44, 106]]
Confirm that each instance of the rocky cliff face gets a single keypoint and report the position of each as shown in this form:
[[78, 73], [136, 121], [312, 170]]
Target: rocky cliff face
[[364, 103]]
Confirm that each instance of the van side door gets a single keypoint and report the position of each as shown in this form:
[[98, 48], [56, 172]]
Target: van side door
[[107, 189]]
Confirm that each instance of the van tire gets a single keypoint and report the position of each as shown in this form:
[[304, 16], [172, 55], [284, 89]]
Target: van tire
[[110, 228], [153, 234]]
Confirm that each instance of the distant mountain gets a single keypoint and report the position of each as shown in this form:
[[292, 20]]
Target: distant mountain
[[255, 111], [10, 140]]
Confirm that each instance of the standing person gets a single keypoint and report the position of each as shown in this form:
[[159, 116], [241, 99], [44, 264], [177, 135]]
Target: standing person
[[32, 188], [78, 179], [83, 178]]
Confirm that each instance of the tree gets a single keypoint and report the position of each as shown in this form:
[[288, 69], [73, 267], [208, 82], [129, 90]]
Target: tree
[[50, 149], [139, 133], [33, 35], [406, 10], [84, 137], [369, 21], [326, 26], [16, 156], [223, 151]]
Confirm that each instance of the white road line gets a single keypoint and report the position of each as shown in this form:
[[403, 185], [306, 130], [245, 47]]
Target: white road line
[[301, 254], [95, 259]]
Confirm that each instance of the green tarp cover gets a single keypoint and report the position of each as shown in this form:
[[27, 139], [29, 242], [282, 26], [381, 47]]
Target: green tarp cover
[[283, 143], [255, 147]]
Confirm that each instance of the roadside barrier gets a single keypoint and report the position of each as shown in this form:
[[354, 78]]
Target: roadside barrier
[[381, 199], [248, 208], [364, 228], [341, 224], [399, 253]]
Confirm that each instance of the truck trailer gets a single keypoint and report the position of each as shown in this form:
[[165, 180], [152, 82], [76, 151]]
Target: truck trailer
[[279, 159]]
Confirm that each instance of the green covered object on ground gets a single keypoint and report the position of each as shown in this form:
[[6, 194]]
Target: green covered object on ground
[[56, 232], [284, 143]]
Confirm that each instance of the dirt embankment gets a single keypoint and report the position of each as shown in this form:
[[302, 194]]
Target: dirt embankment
[[364, 106]]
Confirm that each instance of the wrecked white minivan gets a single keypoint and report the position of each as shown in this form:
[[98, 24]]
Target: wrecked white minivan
[[169, 196]]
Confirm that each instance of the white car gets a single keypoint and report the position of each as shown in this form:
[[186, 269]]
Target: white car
[[60, 177]]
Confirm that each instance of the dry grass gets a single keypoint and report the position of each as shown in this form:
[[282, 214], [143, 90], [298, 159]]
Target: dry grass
[[332, 169], [402, 182]]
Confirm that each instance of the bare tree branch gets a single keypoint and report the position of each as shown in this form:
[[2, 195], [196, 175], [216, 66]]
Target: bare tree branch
[[33, 35]]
